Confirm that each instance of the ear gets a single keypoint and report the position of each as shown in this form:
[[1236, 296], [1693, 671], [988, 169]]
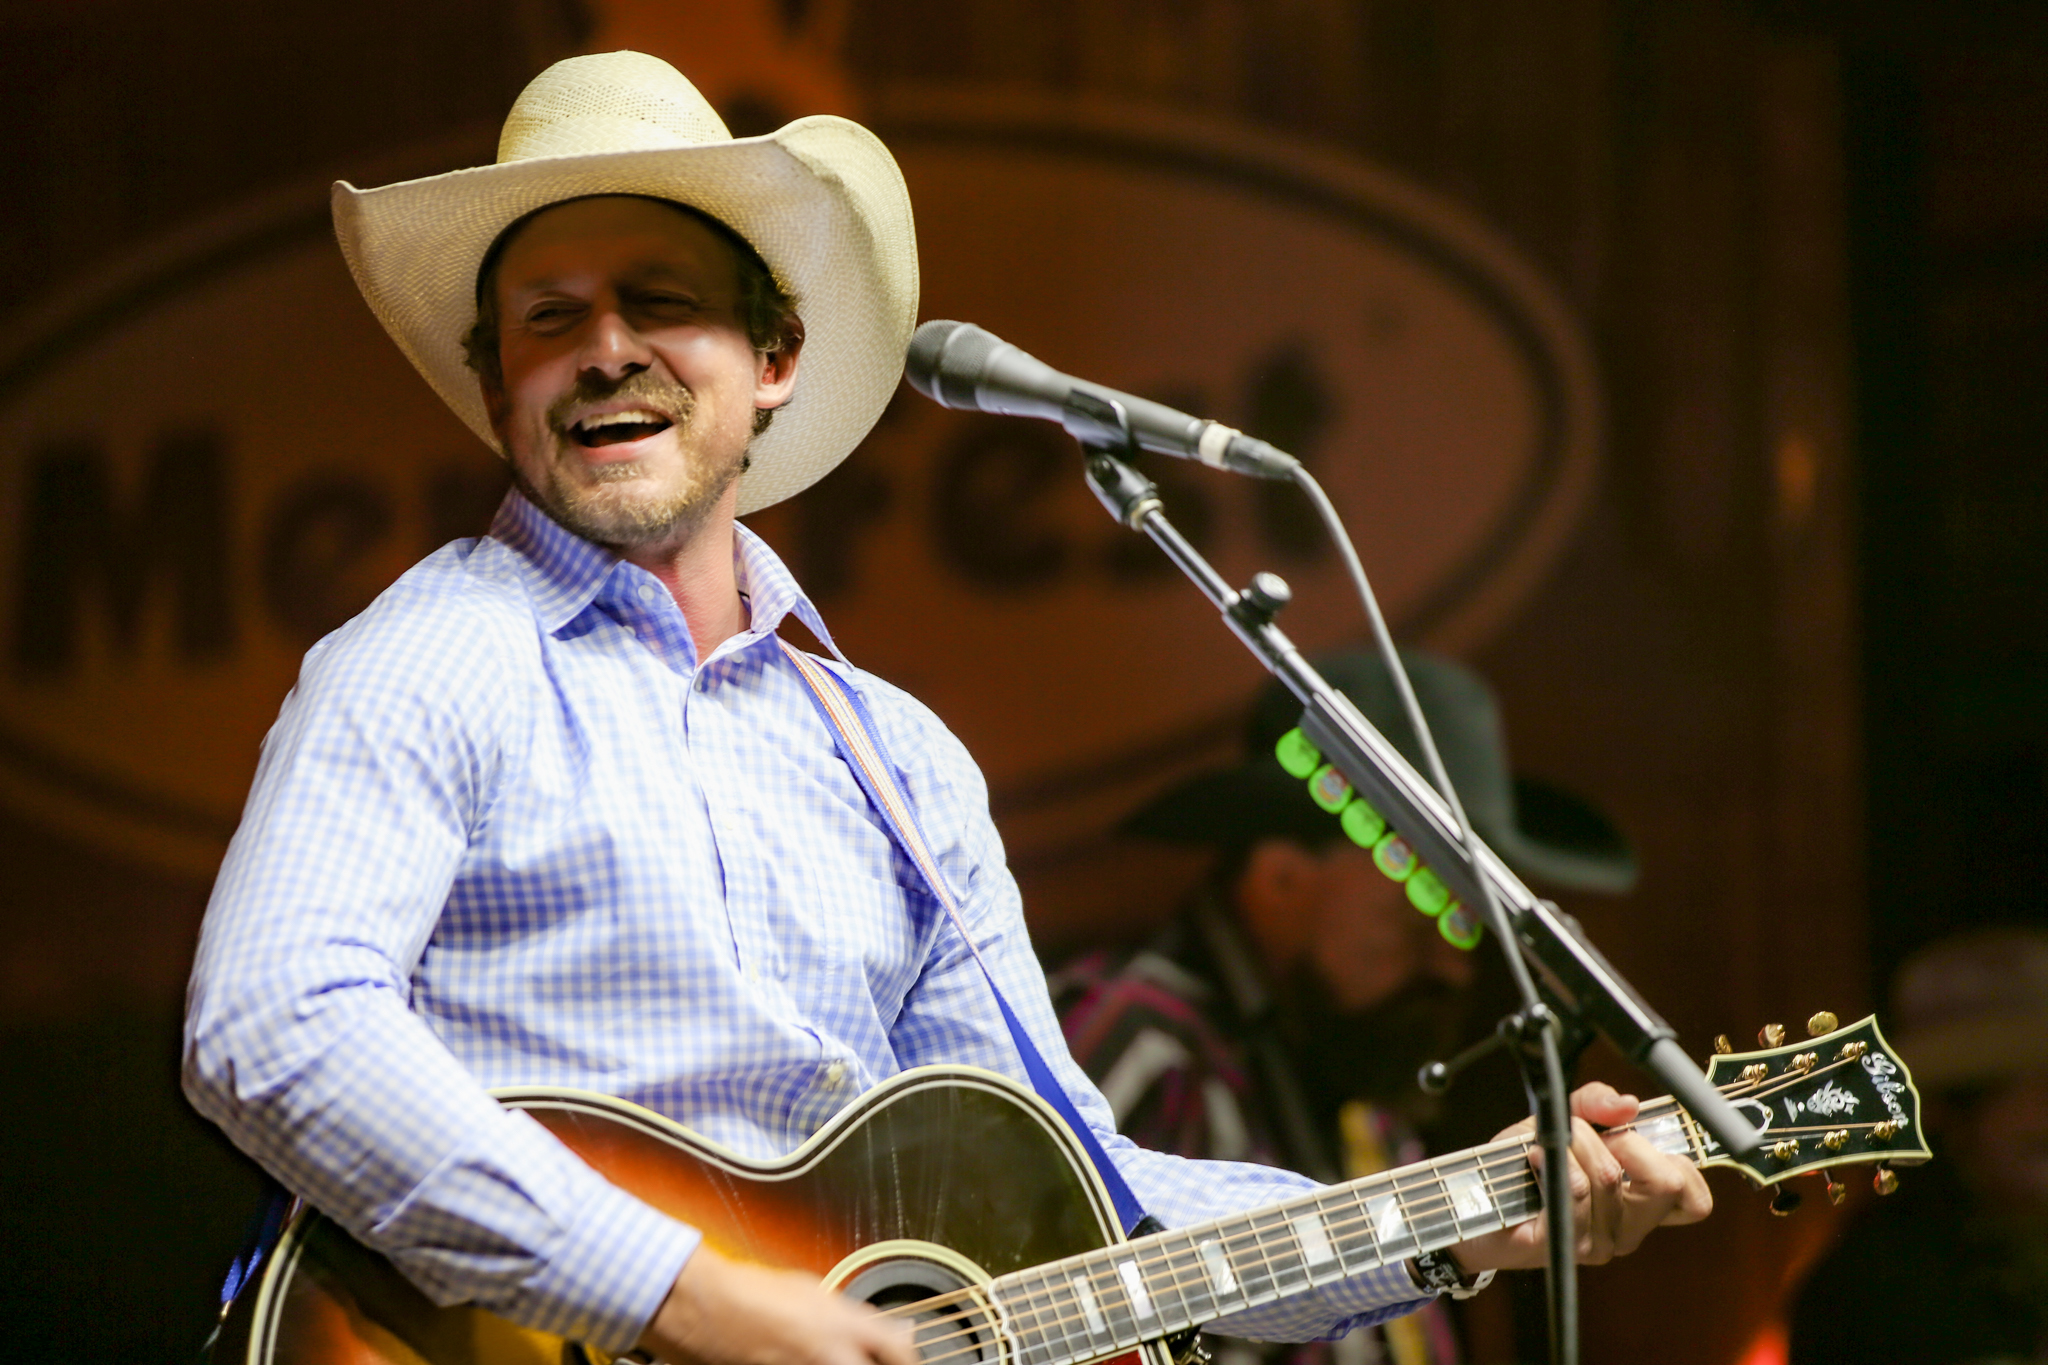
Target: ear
[[776, 379], [495, 406], [1276, 895]]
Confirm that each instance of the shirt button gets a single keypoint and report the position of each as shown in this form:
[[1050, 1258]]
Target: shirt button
[[835, 1075], [646, 592]]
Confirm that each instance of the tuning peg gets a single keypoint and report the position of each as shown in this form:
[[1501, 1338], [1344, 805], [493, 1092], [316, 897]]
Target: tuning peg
[[1722, 1047], [1884, 1180], [1784, 1202], [1824, 1022], [1837, 1191], [1770, 1035]]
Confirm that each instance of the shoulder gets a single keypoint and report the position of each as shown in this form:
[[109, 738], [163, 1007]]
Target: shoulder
[[928, 754], [449, 633]]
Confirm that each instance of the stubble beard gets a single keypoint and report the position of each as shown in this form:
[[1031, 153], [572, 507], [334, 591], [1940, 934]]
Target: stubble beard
[[623, 508]]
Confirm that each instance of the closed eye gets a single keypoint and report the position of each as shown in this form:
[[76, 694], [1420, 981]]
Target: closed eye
[[547, 315]]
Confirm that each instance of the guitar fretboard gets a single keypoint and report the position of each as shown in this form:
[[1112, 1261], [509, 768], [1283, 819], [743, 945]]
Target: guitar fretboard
[[1110, 1300]]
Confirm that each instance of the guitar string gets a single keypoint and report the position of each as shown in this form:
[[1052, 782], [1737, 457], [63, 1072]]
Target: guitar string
[[1100, 1276], [1514, 1172], [1518, 1175], [1516, 1147], [1493, 1184]]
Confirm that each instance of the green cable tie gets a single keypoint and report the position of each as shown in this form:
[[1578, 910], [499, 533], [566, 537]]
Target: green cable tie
[[1460, 927], [1364, 824], [1329, 788], [1394, 857], [1427, 892], [1297, 755]]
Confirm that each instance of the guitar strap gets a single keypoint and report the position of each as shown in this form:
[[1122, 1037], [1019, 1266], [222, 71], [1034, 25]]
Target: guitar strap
[[860, 744]]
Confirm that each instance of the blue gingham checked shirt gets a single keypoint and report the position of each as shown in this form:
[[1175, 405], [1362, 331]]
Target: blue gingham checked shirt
[[509, 830]]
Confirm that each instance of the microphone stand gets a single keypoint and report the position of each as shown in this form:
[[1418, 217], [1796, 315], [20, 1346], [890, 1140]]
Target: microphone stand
[[1578, 991]]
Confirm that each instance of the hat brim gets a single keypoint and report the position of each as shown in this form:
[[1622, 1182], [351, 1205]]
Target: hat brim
[[820, 199], [1568, 844]]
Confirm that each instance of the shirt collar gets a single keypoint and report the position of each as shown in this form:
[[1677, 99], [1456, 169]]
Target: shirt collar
[[771, 590], [569, 571]]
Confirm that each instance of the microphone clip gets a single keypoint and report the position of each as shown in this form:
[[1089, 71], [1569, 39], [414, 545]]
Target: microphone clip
[[1104, 431]]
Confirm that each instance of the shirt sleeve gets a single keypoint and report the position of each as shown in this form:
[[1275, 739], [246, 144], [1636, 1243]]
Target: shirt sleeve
[[299, 1041], [950, 1016]]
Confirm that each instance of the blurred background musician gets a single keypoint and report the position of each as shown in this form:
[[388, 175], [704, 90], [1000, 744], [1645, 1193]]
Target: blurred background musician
[[1282, 1013]]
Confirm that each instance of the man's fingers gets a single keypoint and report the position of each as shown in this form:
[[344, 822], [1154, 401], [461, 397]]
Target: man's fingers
[[1674, 1186], [889, 1342], [1599, 1102]]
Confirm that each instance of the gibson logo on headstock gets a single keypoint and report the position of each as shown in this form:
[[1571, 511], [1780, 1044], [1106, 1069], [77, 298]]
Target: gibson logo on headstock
[[1883, 1073]]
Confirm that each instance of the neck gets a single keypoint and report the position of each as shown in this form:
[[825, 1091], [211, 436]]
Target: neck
[[1089, 1306], [698, 572]]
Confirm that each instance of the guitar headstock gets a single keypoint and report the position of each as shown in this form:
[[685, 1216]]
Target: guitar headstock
[[1837, 1098]]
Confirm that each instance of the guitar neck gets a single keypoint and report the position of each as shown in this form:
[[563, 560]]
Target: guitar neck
[[1089, 1306]]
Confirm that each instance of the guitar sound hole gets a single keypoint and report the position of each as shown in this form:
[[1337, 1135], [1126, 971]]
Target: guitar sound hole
[[956, 1332]]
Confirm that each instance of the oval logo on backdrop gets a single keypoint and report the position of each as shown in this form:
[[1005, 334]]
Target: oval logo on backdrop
[[217, 456]]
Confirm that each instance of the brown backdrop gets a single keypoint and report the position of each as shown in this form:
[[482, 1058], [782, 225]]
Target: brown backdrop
[[1673, 171]]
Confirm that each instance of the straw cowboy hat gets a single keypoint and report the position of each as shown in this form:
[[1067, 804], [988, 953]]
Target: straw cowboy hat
[[1539, 830], [820, 199]]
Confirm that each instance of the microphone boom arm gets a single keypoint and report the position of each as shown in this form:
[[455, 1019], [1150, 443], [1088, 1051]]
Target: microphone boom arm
[[1580, 979]]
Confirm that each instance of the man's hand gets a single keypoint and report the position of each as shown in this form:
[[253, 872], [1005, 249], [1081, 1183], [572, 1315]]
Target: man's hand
[[1621, 1188], [723, 1312]]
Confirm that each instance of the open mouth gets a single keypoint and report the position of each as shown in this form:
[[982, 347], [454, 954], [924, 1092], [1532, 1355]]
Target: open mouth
[[617, 428]]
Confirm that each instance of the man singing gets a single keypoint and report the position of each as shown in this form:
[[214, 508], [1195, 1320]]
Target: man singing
[[558, 808]]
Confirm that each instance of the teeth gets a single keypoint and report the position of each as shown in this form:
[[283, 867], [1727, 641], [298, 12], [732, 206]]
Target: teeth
[[633, 417]]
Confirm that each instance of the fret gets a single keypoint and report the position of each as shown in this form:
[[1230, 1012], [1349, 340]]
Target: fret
[[1666, 1132], [1185, 1274], [1473, 1206], [1317, 1254], [1078, 1304], [1136, 1294], [1351, 1221], [1350, 1235], [1427, 1205], [1515, 1187], [1390, 1229], [1128, 1318], [1280, 1254], [1249, 1260], [1221, 1279], [1017, 1298], [1092, 1320]]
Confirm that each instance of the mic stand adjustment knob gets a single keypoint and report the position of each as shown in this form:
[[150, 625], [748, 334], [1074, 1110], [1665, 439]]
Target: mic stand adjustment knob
[[1262, 600]]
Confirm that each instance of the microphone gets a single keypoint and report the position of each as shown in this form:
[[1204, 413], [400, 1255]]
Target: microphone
[[958, 365]]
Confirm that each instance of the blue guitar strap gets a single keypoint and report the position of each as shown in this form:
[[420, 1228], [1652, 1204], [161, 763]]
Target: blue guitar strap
[[860, 744]]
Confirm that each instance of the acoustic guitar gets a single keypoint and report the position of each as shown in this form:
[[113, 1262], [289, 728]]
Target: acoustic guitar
[[956, 1198]]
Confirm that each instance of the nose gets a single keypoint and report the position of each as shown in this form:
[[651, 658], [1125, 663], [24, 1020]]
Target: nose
[[613, 348]]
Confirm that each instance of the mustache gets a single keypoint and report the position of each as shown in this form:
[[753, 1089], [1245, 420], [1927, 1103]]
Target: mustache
[[643, 386]]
